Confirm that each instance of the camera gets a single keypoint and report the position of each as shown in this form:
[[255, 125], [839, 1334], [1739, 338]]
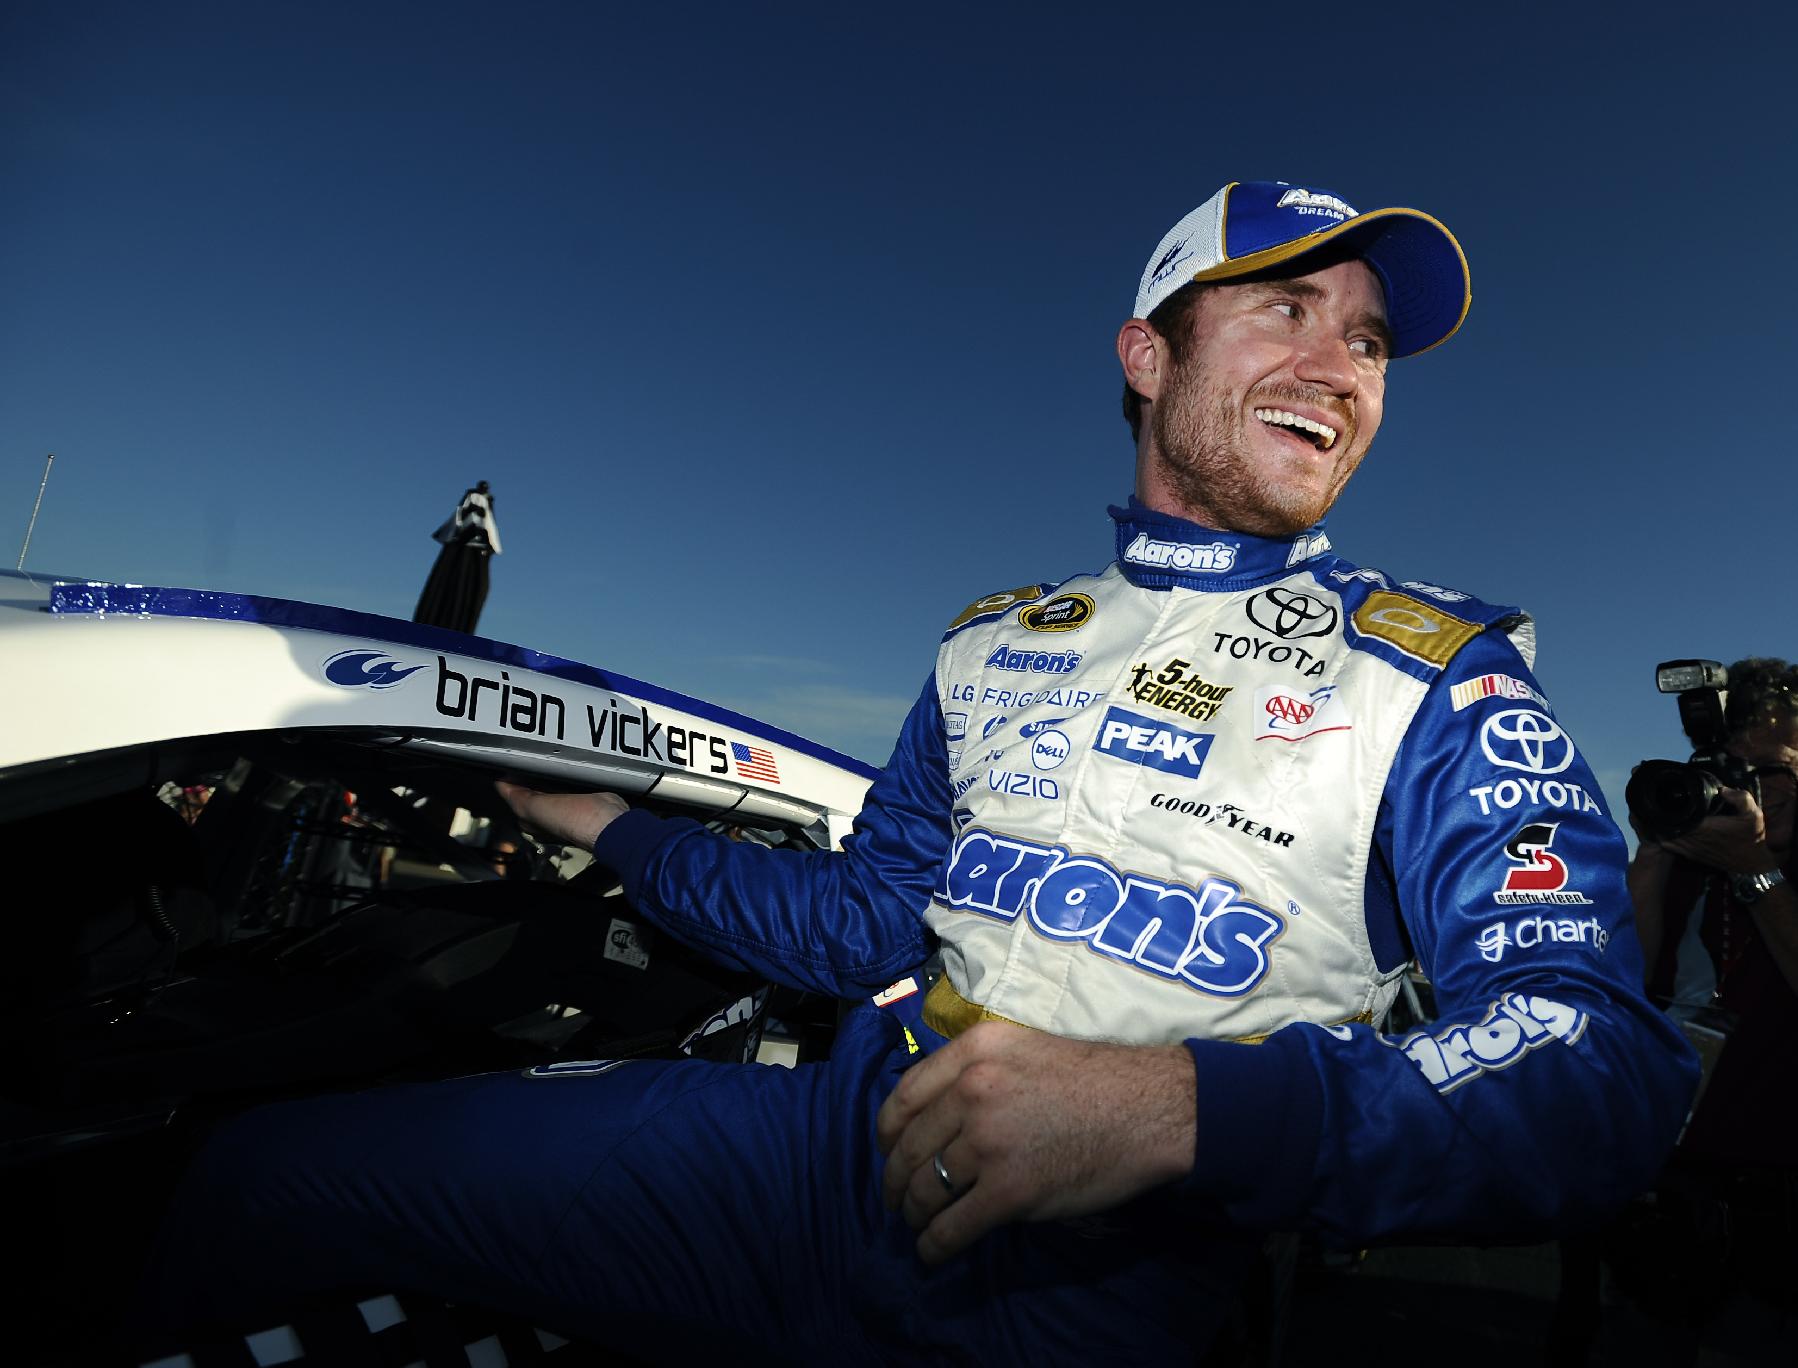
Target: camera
[[1667, 798]]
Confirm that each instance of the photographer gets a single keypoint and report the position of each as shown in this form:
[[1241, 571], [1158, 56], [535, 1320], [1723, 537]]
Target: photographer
[[1717, 912]]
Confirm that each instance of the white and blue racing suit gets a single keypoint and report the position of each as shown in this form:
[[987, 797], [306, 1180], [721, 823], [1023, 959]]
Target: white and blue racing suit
[[1223, 793]]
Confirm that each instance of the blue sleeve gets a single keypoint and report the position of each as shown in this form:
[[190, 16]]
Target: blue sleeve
[[1548, 1090], [846, 923]]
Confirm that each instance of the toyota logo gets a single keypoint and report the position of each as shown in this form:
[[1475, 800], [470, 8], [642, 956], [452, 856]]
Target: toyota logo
[[1521, 739], [1288, 613]]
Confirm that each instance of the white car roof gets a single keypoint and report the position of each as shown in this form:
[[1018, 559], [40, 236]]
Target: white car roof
[[92, 668]]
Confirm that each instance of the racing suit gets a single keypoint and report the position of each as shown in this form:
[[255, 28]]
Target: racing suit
[[1220, 793]]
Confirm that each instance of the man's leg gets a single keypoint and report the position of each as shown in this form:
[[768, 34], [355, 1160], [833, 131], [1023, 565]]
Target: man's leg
[[648, 1206]]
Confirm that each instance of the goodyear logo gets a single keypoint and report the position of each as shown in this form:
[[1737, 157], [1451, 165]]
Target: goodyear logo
[[1205, 937]]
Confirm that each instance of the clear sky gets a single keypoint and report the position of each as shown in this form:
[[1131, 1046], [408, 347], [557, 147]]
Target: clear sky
[[783, 331]]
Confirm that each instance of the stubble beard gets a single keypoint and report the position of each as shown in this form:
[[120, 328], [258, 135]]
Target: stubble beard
[[1207, 465]]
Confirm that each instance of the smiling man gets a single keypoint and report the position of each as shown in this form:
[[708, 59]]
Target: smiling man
[[1126, 911]]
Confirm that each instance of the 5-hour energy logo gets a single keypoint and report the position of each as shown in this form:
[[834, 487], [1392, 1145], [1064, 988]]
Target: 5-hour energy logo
[[1178, 688]]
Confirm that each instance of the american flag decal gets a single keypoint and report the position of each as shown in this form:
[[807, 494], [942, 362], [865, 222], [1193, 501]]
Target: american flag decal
[[755, 762]]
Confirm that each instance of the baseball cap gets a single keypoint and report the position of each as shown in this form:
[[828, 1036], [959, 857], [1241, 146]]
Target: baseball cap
[[1249, 226]]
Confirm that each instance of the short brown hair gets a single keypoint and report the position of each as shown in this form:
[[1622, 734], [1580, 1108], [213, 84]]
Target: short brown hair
[[1762, 690], [1172, 318]]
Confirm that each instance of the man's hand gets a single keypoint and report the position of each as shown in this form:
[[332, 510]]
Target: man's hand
[[1030, 1126], [1733, 841], [575, 819]]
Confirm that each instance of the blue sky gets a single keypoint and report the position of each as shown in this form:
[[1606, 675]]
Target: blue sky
[[782, 331]]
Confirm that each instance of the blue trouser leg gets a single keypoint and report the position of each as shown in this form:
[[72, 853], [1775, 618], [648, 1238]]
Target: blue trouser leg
[[658, 1207]]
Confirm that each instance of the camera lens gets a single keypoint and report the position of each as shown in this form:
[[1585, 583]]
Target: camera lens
[[1668, 798]]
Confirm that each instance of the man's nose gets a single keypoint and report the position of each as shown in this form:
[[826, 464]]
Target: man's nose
[[1326, 361]]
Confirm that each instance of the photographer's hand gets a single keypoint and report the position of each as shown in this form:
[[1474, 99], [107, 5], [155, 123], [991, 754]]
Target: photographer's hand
[[1733, 841]]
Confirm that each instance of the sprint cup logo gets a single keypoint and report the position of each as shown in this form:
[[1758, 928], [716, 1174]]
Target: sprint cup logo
[[1212, 557], [1063, 613], [1540, 876]]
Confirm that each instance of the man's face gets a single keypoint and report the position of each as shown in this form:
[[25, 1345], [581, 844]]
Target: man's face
[[1772, 748], [1234, 428]]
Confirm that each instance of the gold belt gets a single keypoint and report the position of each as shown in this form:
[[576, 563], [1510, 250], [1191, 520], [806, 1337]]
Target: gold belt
[[948, 1013]]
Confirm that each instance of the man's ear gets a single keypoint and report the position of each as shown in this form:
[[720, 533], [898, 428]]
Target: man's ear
[[1143, 356]]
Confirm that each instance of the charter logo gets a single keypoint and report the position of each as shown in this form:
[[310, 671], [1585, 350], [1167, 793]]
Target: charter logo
[[1139, 740], [1206, 937], [1531, 932], [1215, 557], [1512, 1027]]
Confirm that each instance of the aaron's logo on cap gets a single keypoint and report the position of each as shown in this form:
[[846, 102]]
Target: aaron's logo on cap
[[1304, 199]]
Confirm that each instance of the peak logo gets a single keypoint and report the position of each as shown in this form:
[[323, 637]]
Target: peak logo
[[1203, 937], [365, 669], [1139, 740], [1540, 876], [1212, 557]]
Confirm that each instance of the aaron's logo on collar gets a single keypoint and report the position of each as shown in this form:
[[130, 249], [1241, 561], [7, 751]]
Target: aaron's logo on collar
[[1213, 557]]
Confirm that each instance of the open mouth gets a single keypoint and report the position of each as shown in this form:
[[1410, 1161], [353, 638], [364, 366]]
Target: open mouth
[[1320, 435]]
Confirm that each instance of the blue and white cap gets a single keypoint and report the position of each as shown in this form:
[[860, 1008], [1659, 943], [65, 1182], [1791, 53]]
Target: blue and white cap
[[1249, 226]]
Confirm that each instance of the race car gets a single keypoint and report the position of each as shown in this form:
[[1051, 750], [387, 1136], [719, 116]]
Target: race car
[[252, 849]]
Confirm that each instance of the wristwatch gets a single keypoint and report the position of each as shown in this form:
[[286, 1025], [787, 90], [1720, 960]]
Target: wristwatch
[[1750, 888]]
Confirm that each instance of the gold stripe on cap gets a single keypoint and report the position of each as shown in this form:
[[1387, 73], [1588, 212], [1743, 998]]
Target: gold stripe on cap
[[1286, 251]]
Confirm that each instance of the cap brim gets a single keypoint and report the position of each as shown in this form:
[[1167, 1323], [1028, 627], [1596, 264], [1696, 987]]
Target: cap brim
[[1421, 268]]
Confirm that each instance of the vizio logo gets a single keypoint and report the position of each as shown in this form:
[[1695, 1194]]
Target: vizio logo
[[1206, 937], [1139, 740]]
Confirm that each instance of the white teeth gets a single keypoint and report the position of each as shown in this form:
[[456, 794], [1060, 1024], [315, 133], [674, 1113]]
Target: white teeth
[[1281, 418]]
